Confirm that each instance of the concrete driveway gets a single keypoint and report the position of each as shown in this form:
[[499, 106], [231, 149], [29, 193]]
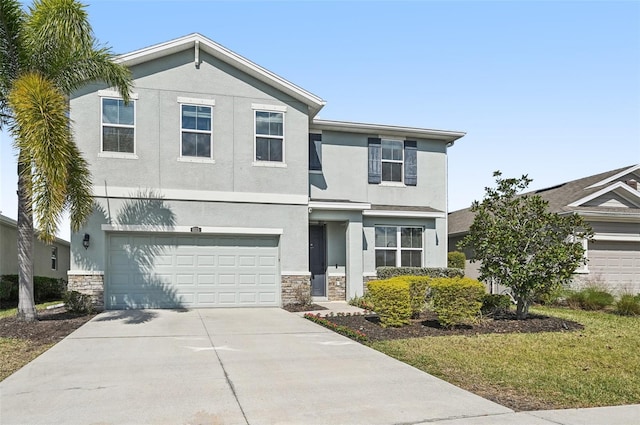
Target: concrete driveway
[[229, 366]]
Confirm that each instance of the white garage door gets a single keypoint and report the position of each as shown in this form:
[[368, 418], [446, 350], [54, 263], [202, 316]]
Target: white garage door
[[149, 271], [617, 263]]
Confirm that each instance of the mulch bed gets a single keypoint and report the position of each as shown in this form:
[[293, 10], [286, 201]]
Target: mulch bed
[[52, 326], [295, 308], [427, 325]]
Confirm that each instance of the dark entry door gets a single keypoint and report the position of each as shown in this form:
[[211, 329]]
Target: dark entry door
[[317, 262]]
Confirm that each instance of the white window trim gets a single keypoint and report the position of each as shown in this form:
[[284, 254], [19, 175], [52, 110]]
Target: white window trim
[[184, 101], [398, 248], [111, 154], [266, 108], [394, 161]]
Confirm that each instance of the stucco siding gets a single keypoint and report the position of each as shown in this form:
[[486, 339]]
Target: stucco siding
[[344, 174]]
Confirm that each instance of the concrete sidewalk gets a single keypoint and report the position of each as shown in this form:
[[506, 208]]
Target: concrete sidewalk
[[241, 366]]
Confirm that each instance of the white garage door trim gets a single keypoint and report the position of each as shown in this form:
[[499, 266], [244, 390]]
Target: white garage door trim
[[152, 270]]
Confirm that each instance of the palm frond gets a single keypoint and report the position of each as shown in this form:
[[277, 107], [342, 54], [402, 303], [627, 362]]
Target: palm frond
[[41, 132], [11, 53], [79, 199]]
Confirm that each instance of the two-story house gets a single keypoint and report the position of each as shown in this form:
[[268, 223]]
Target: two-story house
[[217, 186]]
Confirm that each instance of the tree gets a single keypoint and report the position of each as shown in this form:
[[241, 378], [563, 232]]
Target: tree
[[46, 53], [521, 244]]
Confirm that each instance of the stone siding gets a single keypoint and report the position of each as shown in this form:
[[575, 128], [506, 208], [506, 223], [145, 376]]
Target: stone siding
[[367, 279], [295, 289], [89, 284], [337, 288]]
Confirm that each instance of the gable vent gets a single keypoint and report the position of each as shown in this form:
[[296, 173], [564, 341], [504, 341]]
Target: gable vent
[[632, 183]]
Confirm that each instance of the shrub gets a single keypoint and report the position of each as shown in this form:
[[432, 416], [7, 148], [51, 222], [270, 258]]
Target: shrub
[[392, 301], [493, 304], [77, 302], [456, 301], [389, 272], [417, 292], [628, 305], [363, 302], [44, 288], [590, 299], [456, 260]]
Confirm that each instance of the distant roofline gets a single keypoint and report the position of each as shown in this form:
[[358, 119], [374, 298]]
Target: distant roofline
[[198, 41], [13, 223], [383, 129]]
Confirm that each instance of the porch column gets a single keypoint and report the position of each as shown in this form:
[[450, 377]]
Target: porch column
[[354, 258]]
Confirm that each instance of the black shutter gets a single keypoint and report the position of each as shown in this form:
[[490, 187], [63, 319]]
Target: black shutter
[[315, 152], [375, 160], [410, 162]]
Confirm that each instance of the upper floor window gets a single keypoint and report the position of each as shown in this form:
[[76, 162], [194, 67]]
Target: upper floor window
[[397, 246], [315, 152], [393, 161], [195, 124], [269, 136], [118, 126], [54, 258]]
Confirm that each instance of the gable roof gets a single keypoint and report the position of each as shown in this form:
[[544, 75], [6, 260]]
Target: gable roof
[[575, 196], [198, 42]]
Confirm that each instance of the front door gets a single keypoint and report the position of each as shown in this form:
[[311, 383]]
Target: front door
[[317, 263]]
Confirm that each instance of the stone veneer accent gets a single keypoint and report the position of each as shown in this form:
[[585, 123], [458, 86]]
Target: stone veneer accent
[[367, 279], [337, 288], [294, 287], [91, 284]]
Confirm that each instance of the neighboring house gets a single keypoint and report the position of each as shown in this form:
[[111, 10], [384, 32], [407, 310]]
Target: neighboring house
[[48, 260], [610, 203], [216, 186]]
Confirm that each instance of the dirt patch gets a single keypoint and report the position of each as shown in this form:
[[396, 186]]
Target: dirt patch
[[294, 308], [52, 326], [427, 325]]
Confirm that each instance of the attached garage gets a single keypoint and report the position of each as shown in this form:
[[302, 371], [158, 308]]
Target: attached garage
[[176, 271], [617, 263]]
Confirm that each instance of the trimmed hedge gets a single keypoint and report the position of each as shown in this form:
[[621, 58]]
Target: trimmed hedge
[[389, 272], [495, 304], [417, 292], [44, 288], [456, 301], [392, 301], [456, 260]]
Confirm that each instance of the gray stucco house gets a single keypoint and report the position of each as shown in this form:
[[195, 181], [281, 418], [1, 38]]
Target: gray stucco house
[[48, 260], [610, 203], [217, 186]]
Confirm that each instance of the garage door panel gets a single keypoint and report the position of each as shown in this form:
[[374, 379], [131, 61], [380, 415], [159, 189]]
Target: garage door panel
[[191, 271], [617, 263]]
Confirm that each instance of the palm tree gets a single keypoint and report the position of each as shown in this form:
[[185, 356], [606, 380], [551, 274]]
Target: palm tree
[[46, 52]]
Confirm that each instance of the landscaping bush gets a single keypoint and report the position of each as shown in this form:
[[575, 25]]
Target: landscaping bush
[[44, 288], [363, 302], [417, 292], [389, 272], [628, 305], [590, 299], [456, 260], [456, 301], [392, 301], [493, 304], [77, 302]]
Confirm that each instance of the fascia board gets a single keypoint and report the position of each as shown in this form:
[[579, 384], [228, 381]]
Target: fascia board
[[344, 206], [619, 186], [387, 130], [615, 177], [404, 214], [314, 102]]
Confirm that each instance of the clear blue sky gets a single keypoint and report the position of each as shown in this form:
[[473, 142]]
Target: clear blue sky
[[544, 88]]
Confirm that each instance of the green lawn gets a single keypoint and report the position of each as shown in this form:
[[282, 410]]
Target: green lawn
[[598, 366], [8, 312]]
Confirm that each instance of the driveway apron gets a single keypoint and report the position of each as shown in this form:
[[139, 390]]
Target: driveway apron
[[224, 366]]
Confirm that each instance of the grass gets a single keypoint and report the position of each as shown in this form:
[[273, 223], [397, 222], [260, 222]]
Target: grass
[[599, 366], [9, 312], [14, 352]]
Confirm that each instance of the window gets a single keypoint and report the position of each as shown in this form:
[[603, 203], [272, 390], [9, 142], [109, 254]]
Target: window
[[269, 136], [398, 246], [195, 124], [392, 159], [315, 152], [54, 258], [118, 126]]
